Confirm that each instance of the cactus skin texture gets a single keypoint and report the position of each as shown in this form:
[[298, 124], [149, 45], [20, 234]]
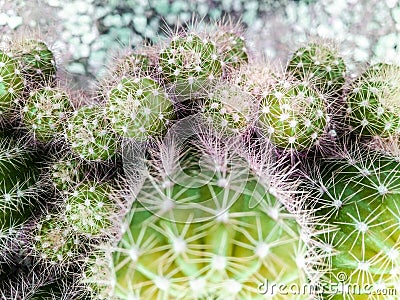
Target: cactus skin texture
[[321, 65], [229, 109], [191, 64], [11, 85], [45, 111], [232, 48], [89, 134], [372, 101], [293, 116], [359, 199], [90, 208], [216, 234], [19, 187], [38, 62], [139, 108], [132, 64]]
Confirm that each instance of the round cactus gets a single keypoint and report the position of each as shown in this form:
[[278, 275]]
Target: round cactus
[[11, 85], [293, 116], [229, 109], [55, 242], [139, 108], [65, 173], [89, 134], [372, 101], [191, 64], [91, 209], [37, 60], [321, 65], [132, 64], [45, 111], [217, 234], [232, 48], [358, 198]]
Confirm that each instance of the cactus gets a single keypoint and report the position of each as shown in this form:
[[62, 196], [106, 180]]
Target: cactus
[[37, 62], [357, 197], [11, 85], [132, 64], [293, 116], [66, 173], [192, 64], [372, 101], [139, 108], [89, 134], [320, 64], [217, 233], [91, 208], [45, 111]]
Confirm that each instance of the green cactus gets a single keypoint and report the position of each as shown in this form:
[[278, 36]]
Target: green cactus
[[45, 111], [132, 64], [215, 234], [66, 173], [293, 116], [90, 135], [11, 85], [320, 64], [191, 64], [37, 61], [358, 199], [19, 188], [229, 109], [55, 242], [372, 101], [91, 209], [232, 48], [139, 108]]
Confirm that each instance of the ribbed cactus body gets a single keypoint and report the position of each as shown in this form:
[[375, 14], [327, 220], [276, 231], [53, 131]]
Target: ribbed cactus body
[[232, 47], [214, 233], [321, 65], [138, 107], [360, 200], [191, 64], [11, 84], [293, 116], [45, 111], [372, 101]]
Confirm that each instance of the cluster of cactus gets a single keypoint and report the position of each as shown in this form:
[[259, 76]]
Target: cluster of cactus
[[197, 172]]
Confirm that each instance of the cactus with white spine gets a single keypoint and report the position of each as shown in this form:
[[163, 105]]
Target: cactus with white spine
[[293, 115], [89, 134], [372, 101], [215, 232], [11, 85], [191, 64], [139, 107], [45, 111], [320, 64]]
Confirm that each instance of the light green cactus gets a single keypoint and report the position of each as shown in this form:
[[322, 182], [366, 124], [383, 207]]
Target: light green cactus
[[139, 108]]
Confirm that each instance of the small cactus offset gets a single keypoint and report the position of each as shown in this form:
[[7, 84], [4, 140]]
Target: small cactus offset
[[195, 171]]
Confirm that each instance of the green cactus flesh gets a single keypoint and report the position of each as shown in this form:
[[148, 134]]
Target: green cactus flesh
[[38, 64], [139, 108], [320, 65], [232, 48], [372, 102], [293, 116], [359, 198], [89, 134], [191, 64], [66, 173], [45, 111], [133, 64], [217, 234], [11, 84], [90, 208]]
